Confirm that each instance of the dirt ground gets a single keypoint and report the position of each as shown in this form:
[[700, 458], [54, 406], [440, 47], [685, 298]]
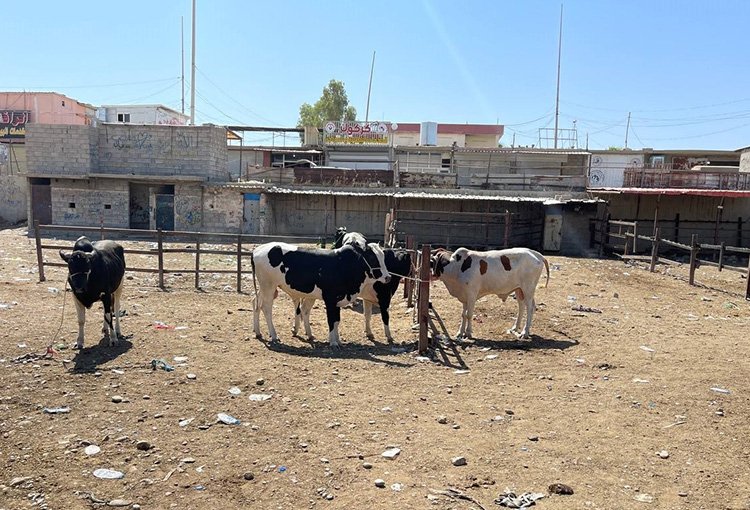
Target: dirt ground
[[591, 401]]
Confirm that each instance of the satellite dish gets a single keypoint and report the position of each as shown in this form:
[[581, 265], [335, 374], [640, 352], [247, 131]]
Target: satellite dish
[[596, 178]]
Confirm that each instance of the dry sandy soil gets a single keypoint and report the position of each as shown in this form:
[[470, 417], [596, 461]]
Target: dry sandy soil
[[589, 402]]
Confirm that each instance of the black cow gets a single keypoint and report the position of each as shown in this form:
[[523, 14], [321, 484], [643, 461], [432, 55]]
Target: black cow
[[398, 264], [95, 273], [335, 276]]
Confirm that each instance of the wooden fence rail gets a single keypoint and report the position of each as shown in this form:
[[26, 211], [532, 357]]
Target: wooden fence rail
[[243, 243], [630, 237]]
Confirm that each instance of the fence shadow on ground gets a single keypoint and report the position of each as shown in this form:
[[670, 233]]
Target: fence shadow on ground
[[89, 359], [321, 349], [536, 342]]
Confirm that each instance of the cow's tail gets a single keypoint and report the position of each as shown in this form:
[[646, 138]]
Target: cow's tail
[[255, 285], [546, 264]]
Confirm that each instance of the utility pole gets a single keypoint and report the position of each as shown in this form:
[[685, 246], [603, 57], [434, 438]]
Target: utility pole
[[557, 98], [182, 64], [369, 88], [627, 129], [192, 76]]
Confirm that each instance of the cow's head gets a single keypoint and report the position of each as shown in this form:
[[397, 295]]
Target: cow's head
[[338, 238], [79, 268], [439, 258], [374, 258]]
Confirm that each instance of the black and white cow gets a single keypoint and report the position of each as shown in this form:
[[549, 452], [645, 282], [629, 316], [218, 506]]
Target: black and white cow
[[95, 273], [336, 276], [469, 275], [398, 264]]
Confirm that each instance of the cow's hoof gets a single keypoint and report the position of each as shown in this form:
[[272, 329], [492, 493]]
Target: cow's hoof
[[370, 336], [78, 347], [258, 336], [310, 338]]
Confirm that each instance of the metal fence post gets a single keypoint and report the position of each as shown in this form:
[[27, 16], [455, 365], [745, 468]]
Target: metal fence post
[[424, 299], [197, 263], [39, 257], [693, 259], [239, 263], [655, 250], [160, 255]]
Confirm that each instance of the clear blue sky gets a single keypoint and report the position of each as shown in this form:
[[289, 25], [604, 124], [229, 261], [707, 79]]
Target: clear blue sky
[[680, 67]]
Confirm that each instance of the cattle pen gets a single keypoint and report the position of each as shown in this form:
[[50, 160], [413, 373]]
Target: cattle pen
[[625, 236], [241, 251]]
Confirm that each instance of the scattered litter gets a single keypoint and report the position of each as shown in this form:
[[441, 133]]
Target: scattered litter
[[647, 349], [178, 328], [53, 290], [162, 325], [560, 488], [56, 410], [644, 498], [642, 381], [234, 390], [422, 358], [581, 308], [525, 500], [118, 372], [398, 487], [186, 422], [282, 469], [461, 372], [605, 366], [8, 306], [160, 363], [664, 454], [22, 346], [180, 359], [705, 298], [260, 397], [108, 474], [391, 453], [720, 390], [227, 419], [571, 299], [580, 360], [490, 356], [199, 487], [730, 306], [92, 449]]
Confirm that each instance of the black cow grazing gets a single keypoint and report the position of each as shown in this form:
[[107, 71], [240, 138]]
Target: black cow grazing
[[398, 264], [95, 273], [335, 276]]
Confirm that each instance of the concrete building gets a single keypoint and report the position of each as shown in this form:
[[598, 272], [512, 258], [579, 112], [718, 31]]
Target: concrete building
[[142, 114], [124, 175], [18, 110]]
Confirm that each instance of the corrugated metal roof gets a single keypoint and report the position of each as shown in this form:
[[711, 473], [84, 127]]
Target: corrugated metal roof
[[673, 191], [389, 192]]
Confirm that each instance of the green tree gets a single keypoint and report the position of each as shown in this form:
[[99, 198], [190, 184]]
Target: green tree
[[332, 105]]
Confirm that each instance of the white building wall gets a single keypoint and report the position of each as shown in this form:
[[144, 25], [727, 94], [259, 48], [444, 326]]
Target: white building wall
[[608, 170]]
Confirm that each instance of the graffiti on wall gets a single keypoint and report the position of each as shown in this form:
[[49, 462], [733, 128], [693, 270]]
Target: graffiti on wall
[[140, 141], [176, 143], [188, 211]]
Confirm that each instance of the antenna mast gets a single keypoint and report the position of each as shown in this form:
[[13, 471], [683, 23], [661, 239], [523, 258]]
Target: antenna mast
[[192, 76], [182, 65], [557, 98], [369, 88]]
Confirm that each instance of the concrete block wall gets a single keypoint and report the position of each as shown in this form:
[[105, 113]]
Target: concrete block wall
[[95, 201], [163, 150], [61, 149], [188, 209], [12, 198], [222, 210]]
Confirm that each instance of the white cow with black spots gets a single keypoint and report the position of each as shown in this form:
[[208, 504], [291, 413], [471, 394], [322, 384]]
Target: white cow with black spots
[[469, 275]]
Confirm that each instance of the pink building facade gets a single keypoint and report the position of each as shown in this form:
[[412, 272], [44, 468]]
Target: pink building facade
[[20, 108]]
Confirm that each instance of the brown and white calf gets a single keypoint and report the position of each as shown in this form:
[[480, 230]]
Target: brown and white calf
[[469, 275]]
